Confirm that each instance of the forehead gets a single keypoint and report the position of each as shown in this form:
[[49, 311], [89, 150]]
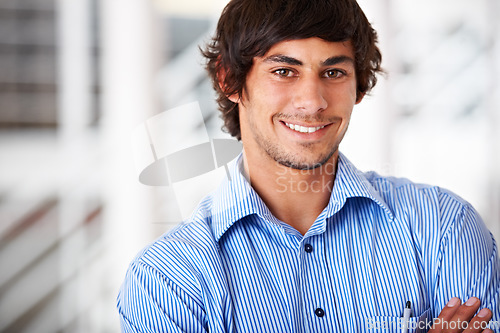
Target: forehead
[[310, 49]]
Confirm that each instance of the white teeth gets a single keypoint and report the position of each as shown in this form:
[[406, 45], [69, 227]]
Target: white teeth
[[303, 129]]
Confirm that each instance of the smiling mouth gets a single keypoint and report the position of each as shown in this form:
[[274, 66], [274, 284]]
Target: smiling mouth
[[303, 129]]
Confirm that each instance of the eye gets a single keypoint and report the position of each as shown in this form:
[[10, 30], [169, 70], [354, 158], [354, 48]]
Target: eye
[[283, 72], [333, 74]]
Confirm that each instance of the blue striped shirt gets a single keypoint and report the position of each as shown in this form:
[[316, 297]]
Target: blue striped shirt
[[234, 267]]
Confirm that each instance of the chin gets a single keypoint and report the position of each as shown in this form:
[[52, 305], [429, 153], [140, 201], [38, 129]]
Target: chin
[[304, 164]]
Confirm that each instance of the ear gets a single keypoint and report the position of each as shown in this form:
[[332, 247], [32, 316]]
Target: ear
[[221, 77], [234, 98], [359, 97]]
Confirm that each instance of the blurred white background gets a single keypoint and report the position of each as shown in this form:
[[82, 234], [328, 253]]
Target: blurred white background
[[76, 78]]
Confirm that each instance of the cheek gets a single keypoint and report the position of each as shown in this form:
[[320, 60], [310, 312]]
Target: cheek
[[274, 93], [351, 90], [343, 99], [271, 99]]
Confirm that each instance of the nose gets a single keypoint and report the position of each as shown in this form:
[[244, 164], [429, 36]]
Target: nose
[[309, 95]]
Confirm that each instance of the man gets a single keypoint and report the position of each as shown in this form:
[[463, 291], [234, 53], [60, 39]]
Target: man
[[299, 240]]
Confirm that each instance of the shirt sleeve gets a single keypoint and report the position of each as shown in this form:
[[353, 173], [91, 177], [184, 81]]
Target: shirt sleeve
[[149, 302], [468, 262]]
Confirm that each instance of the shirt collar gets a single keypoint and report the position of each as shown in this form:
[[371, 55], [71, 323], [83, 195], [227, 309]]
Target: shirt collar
[[352, 183], [235, 198]]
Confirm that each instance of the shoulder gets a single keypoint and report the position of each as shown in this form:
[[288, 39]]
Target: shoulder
[[184, 251], [427, 209], [174, 273], [432, 213], [402, 194]]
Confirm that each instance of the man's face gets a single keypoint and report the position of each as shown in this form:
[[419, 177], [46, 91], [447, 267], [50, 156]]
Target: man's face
[[297, 102]]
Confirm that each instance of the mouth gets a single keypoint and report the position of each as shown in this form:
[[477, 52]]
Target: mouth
[[304, 129]]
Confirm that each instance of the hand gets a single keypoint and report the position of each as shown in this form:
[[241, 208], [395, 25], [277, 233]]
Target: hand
[[457, 317]]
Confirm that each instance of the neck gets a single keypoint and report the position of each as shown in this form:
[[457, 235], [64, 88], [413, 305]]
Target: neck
[[296, 197]]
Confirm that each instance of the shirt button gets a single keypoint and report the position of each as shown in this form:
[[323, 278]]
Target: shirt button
[[319, 312], [308, 248]]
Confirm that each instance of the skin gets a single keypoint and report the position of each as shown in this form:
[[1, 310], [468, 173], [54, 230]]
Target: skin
[[307, 82], [454, 316], [312, 83]]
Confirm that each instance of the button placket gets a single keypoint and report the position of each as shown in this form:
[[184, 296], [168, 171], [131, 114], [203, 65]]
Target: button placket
[[314, 264]]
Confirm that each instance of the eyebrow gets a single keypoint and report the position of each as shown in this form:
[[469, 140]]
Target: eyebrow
[[283, 59], [337, 60]]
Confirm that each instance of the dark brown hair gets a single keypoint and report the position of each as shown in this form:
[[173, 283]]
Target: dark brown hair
[[249, 28]]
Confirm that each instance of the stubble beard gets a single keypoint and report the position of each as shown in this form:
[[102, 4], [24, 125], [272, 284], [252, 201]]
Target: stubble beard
[[290, 160], [287, 159]]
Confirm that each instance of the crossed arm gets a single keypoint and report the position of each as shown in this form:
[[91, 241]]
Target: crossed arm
[[457, 317]]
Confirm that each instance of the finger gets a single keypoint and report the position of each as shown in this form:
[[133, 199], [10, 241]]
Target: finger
[[450, 308], [446, 314], [455, 317], [465, 313], [480, 322]]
